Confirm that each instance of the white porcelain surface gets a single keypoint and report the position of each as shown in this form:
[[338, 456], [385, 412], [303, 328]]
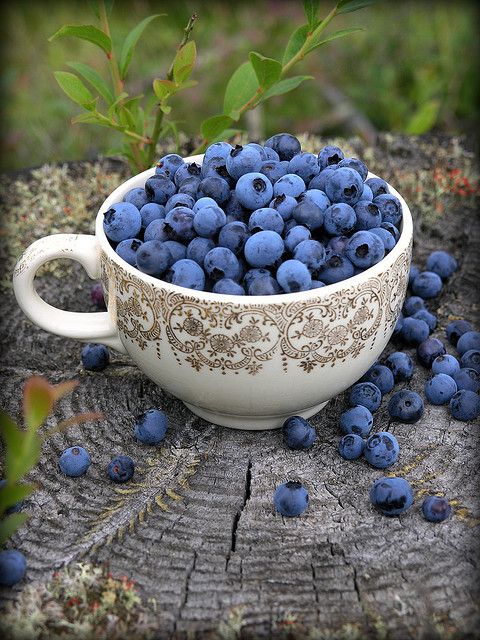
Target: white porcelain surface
[[240, 361]]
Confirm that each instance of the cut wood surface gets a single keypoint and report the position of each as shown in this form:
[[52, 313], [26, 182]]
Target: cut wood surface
[[196, 528]]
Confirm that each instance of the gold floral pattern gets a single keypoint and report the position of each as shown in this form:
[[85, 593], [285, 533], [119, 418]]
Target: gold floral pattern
[[231, 337]]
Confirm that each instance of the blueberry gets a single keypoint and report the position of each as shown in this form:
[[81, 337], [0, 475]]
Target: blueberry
[[445, 364], [340, 219], [427, 317], [365, 394], [440, 389], [330, 155], [364, 249], [217, 149], [233, 236], [74, 461], [390, 208], [336, 269], [465, 405], [190, 187], [214, 187], [243, 160], [263, 249], [265, 219], [344, 185], [290, 499], [229, 287], [381, 449], [150, 212], [378, 186], [198, 248], [320, 181], [401, 365], [317, 284], [261, 150], [436, 509], [234, 210], [412, 305], [97, 297], [95, 357], [138, 197], [169, 165], [290, 185], [414, 331], [122, 221], [127, 250], [203, 202], [391, 496], [264, 286], [429, 349], [284, 144], [397, 329], [368, 216], [284, 205], [351, 446], [221, 263], [468, 341], [13, 567], [121, 469], [153, 257], [159, 188], [391, 228], [293, 276], [181, 223], [208, 221], [406, 406], [216, 168], [186, 172], [158, 230], [385, 236], [367, 194], [298, 433], [254, 190], [151, 426], [14, 508], [308, 214], [271, 154], [177, 250], [304, 165], [357, 420], [412, 274], [355, 163], [295, 236], [381, 376], [456, 329], [186, 273], [468, 379], [441, 263], [253, 274], [338, 244], [427, 284], [471, 360], [179, 200], [311, 253], [273, 170]]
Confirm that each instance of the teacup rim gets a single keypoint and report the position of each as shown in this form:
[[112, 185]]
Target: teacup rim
[[281, 298]]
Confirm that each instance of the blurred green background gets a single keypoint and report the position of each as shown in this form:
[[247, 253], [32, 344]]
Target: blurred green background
[[413, 69]]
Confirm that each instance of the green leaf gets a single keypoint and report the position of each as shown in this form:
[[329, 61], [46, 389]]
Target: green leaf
[[241, 87], [284, 86], [296, 42], [95, 79], [311, 9], [10, 524], [165, 108], [424, 118], [267, 70], [38, 400], [333, 36], [93, 117], [84, 32], [214, 126], [74, 88], [164, 88], [13, 493], [11, 434], [184, 62], [347, 6], [113, 108], [131, 42]]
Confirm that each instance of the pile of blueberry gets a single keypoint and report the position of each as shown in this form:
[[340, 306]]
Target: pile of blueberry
[[256, 220]]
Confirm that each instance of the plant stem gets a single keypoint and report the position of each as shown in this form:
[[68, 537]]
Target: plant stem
[[112, 60], [159, 115]]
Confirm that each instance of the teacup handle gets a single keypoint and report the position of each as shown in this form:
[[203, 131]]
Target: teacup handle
[[88, 327]]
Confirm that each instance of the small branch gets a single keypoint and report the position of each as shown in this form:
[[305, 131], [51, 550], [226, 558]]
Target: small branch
[[112, 60], [186, 36]]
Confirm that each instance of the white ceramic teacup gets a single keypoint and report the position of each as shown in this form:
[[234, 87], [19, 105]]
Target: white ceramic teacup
[[246, 362]]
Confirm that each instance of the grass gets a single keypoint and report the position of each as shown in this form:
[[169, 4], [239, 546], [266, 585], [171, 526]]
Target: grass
[[412, 69]]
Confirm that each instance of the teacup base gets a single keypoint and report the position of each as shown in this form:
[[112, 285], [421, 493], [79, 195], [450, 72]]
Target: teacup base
[[251, 423]]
